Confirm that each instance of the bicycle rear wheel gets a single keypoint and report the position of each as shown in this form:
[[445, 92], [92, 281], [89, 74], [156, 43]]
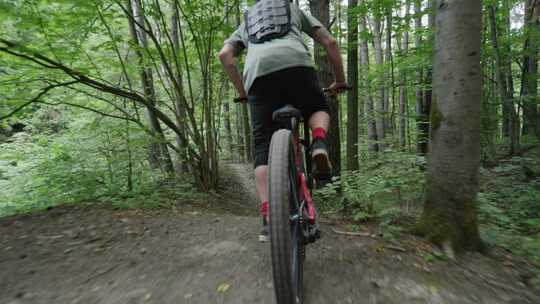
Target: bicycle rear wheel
[[286, 236]]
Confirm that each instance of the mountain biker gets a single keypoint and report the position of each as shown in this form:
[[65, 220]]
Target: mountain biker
[[278, 71]]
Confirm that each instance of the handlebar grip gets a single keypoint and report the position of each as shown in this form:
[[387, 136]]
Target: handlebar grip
[[240, 99], [328, 90]]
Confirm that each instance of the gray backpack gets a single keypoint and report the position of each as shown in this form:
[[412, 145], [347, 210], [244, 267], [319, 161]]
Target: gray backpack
[[267, 20]]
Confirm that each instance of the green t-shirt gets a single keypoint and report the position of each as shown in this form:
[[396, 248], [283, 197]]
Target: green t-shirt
[[277, 54]]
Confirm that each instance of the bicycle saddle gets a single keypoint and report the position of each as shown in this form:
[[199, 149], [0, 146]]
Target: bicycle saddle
[[286, 113]]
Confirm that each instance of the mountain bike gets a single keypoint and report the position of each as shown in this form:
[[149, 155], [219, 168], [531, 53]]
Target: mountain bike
[[292, 215], [292, 221]]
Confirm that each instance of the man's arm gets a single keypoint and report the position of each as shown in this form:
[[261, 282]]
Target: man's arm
[[227, 58], [322, 36]]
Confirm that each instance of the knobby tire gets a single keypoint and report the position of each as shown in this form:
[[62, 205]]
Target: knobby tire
[[285, 235]]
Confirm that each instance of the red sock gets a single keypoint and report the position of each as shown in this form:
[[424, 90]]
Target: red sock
[[319, 133], [264, 210]]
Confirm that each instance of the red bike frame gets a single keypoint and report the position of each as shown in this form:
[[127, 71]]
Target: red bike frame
[[302, 186]]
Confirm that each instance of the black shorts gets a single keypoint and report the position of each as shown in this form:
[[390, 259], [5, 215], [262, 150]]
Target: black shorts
[[297, 86]]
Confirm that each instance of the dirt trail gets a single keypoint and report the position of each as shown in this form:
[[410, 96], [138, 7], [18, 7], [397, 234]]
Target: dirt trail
[[98, 255]]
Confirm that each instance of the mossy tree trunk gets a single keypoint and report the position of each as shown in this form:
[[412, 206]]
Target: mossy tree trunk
[[449, 216]]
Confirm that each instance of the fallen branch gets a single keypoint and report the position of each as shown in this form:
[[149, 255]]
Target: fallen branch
[[363, 234]]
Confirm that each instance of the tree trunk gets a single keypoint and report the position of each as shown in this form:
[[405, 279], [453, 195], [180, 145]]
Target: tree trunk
[[449, 216], [389, 75], [427, 94], [159, 153], [352, 79], [381, 99], [505, 91], [422, 139], [366, 88], [227, 124], [180, 99], [320, 9], [239, 135], [246, 129], [529, 87], [403, 90]]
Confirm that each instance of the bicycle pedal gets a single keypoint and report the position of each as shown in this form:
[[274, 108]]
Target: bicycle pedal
[[314, 233]]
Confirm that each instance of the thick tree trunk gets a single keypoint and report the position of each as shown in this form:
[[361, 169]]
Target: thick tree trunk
[[352, 79], [529, 87], [505, 91], [449, 216], [368, 100], [320, 9], [381, 99], [159, 153]]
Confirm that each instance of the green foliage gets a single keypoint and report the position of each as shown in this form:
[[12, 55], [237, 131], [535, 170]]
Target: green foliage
[[386, 188], [84, 158], [509, 205]]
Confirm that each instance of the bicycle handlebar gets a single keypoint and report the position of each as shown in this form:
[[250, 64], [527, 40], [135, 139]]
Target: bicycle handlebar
[[240, 99], [328, 90], [325, 90]]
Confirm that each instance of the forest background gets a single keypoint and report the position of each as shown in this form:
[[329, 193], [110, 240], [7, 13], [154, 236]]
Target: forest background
[[125, 103]]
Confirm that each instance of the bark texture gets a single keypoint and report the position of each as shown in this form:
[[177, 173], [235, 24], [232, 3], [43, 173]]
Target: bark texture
[[449, 216]]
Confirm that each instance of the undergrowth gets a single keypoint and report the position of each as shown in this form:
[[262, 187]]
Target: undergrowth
[[388, 190]]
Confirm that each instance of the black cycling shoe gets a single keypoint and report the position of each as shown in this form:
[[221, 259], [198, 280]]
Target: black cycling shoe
[[263, 235], [322, 169]]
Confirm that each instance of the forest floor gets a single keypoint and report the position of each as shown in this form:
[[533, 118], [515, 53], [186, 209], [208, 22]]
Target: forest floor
[[207, 252]]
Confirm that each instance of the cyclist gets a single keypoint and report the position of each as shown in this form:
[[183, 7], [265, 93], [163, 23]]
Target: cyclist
[[278, 71]]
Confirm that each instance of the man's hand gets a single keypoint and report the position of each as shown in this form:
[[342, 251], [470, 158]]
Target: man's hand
[[241, 99], [338, 87]]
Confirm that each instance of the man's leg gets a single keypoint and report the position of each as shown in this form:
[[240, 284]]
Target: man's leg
[[261, 184], [318, 120], [319, 123]]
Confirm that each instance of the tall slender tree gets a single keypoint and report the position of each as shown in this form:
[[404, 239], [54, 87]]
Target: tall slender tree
[[159, 153], [422, 140], [505, 86], [365, 85], [179, 96], [403, 85], [529, 86], [352, 78], [381, 78]]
